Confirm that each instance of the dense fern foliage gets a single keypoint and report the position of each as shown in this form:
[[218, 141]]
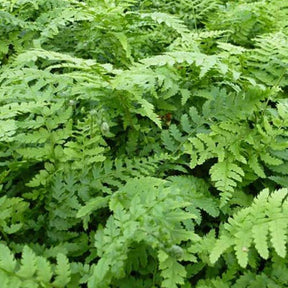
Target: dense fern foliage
[[143, 143]]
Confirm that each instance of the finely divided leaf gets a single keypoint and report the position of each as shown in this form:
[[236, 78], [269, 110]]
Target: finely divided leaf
[[63, 273], [172, 272]]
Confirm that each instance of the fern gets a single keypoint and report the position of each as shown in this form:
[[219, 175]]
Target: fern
[[270, 54], [172, 271], [169, 20], [221, 144], [205, 62], [193, 13], [33, 270], [12, 214], [147, 224], [246, 20], [193, 188], [139, 141], [226, 175], [265, 215]]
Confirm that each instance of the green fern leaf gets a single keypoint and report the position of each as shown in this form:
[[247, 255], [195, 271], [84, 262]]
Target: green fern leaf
[[185, 93], [92, 205], [255, 166], [28, 263], [168, 141], [265, 215], [278, 230], [226, 175], [7, 260], [219, 248], [281, 180], [185, 124], [44, 273], [63, 272], [243, 240], [176, 134], [270, 160], [208, 64], [260, 235], [172, 272], [169, 20], [147, 110]]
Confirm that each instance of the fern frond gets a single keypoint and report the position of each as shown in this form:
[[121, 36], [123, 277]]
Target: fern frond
[[105, 178], [268, 62], [12, 214], [128, 225], [172, 272], [196, 189], [246, 20], [171, 21], [63, 272], [263, 223], [174, 138], [203, 61], [33, 270], [226, 175]]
